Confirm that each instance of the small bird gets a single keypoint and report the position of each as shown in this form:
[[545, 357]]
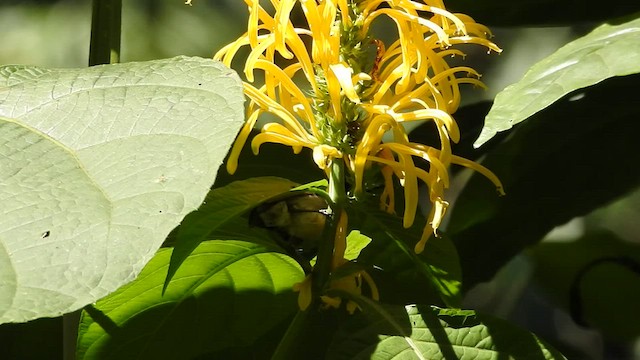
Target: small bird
[[299, 218]]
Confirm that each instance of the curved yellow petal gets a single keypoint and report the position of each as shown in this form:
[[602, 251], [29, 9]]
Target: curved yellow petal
[[241, 139]]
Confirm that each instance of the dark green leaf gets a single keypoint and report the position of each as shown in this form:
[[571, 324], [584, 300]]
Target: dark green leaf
[[606, 52], [391, 250], [356, 242], [422, 332], [572, 158], [221, 206], [226, 295]]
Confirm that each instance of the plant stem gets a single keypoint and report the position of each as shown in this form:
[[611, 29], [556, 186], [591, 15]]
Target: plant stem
[[70, 323], [106, 21], [322, 270]]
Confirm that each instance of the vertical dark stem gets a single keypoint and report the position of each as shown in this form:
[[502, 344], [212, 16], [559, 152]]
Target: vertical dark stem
[[70, 323], [104, 48], [288, 347], [322, 270], [105, 32]]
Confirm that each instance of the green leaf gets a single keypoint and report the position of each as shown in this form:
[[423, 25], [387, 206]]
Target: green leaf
[[221, 206], [421, 332], [226, 295], [572, 158], [391, 250], [541, 12], [608, 291], [356, 242], [98, 165], [606, 52]]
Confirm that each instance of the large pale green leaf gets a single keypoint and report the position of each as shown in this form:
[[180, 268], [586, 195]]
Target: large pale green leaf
[[97, 166], [610, 50], [430, 333], [226, 295], [221, 206]]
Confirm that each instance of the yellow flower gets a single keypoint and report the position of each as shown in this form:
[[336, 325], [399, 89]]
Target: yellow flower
[[353, 102]]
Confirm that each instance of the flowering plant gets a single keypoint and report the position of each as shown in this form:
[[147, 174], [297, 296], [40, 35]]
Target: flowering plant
[[340, 196], [357, 96]]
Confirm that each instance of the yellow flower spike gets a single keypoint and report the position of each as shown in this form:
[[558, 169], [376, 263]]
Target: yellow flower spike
[[371, 138], [334, 90], [344, 9], [481, 169], [227, 53], [252, 26], [275, 128], [343, 74], [283, 12], [262, 138], [473, 28], [255, 55], [346, 113], [311, 12], [412, 173], [284, 80], [322, 155], [447, 130], [272, 106], [232, 162], [435, 217], [459, 23], [398, 169], [300, 51], [410, 189], [445, 145], [421, 151], [326, 35], [387, 198], [401, 17], [425, 93], [385, 85]]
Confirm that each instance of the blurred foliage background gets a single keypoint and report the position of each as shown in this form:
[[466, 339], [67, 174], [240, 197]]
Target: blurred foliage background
[[531, 290]]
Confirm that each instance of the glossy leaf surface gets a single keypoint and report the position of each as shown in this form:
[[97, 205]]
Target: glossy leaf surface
[[226, 295], [608, 51], [422, 332], [569, 160]]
